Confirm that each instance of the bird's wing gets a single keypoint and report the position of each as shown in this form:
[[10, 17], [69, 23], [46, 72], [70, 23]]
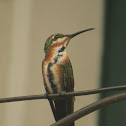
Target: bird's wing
[[64, 106], [67, 76], [68, 81]]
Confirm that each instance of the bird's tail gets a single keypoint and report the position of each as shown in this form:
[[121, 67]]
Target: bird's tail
[[62, 108]]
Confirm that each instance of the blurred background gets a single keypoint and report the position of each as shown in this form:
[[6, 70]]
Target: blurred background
[[98, 56]]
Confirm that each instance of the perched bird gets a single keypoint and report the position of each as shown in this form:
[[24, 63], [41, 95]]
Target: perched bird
[[58, 73]]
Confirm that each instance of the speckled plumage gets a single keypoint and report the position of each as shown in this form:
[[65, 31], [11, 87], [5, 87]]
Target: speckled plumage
[[58, 74]]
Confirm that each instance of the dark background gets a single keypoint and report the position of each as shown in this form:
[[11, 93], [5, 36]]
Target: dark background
[[114, 61]]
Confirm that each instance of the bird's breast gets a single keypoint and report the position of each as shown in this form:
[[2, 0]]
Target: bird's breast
[[52, 74]]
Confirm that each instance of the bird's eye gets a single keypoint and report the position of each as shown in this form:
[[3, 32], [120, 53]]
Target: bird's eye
[[56, 37]]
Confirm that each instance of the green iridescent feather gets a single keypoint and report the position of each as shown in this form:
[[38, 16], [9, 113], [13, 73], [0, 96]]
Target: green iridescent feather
[[49, 41], [66, 103], [67, 76], [68, 82]]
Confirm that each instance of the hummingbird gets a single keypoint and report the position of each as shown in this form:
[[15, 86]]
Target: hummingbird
[[58, 73]]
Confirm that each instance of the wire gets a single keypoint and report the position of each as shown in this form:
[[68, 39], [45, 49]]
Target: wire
[[49, 96]]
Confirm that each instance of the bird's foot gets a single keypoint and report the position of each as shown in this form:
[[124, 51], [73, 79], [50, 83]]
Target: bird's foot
[[46, 95], [62, 93]]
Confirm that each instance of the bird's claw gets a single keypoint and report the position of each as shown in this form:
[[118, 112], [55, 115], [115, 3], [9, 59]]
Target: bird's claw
[[46, 95], [62, 93]]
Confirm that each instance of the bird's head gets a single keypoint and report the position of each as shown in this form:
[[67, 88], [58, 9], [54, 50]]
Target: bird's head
[[58, 42]]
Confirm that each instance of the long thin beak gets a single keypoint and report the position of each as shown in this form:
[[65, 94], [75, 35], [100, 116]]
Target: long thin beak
[[77, 33]]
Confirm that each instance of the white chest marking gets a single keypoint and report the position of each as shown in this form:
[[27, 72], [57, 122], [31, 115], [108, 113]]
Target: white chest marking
[[55, 79]]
